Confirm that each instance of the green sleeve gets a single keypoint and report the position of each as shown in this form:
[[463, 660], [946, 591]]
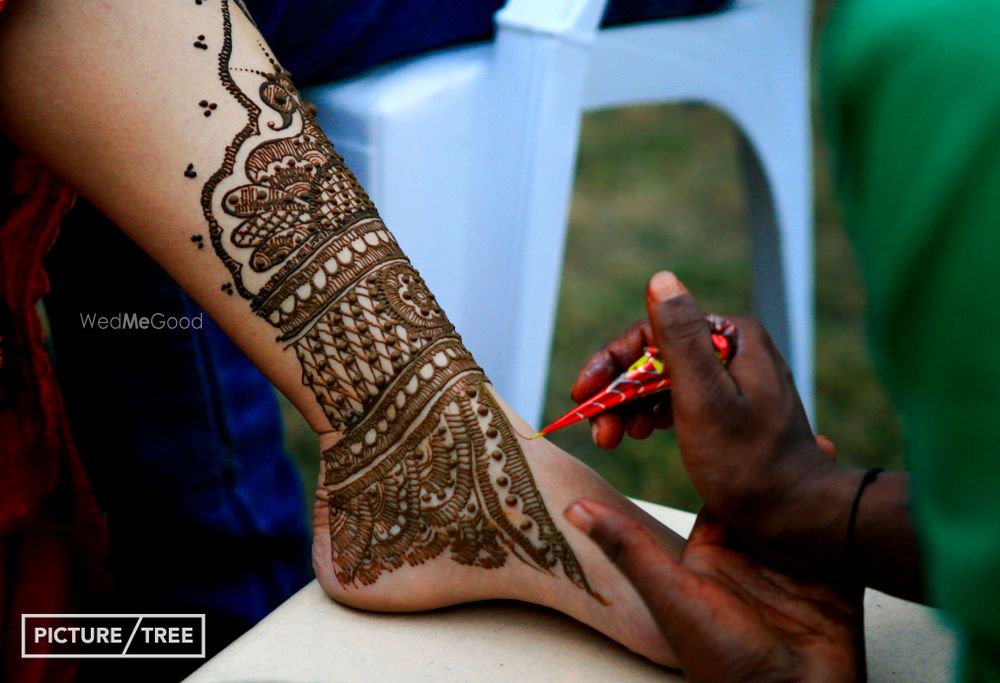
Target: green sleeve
[[911, 92]]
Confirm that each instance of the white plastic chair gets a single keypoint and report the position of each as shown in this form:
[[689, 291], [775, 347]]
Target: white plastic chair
[[469, 153]]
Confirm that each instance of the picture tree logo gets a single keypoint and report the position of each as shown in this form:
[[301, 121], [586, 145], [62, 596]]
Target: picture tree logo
[[82, 636]]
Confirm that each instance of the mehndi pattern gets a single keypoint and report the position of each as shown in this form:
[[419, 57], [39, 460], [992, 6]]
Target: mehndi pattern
[[428, 463]]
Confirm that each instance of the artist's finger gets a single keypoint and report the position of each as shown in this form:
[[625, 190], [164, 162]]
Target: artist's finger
[[625, 543], [663, 413], [700, 382], [631, 343], [764, 379], [610, 361], [828, 447], [758, 367], [639, 422], [754, 367], [672, 593], [635, 414], [607, 430], [595, 374]]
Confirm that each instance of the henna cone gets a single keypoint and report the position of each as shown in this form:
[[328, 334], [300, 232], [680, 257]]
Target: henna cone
[[645, 377]]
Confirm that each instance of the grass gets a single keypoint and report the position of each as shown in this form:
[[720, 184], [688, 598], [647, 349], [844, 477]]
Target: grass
[[659, 187]]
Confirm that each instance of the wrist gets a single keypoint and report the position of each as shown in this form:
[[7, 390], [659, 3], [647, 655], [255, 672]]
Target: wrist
[[806, 527], [886, 553]]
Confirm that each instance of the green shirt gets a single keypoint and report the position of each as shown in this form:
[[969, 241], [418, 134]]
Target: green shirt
[[911, 93]]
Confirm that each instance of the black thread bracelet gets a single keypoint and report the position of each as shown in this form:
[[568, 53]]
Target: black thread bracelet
[[852, 521]]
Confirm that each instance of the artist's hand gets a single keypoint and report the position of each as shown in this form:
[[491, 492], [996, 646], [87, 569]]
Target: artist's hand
[[727, 616], [744, 437]]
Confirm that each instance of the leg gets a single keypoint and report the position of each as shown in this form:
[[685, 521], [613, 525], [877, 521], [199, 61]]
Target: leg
[[426, 485], [428, 495]]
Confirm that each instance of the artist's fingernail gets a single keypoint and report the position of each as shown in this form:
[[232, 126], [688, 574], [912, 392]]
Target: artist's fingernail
[[577, 515], [665, 285], [594, 431]]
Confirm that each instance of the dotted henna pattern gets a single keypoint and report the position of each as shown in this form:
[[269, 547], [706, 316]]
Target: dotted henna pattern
[[428, 463]]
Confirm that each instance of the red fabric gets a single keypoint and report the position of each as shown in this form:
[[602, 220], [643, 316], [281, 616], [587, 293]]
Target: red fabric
[[52, 535], [30, 422]]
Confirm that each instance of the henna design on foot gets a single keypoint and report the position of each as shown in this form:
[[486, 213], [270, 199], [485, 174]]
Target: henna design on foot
[[428, 463], [207, 107]]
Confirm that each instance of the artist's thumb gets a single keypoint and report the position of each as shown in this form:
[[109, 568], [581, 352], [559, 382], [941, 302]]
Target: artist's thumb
[[627, 545], [667, 588], [684, 341]]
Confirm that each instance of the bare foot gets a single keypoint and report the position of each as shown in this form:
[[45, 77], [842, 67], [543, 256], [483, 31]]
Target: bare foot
[[374, 551]]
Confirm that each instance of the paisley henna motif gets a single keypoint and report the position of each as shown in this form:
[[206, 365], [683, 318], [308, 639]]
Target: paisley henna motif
[[428, 463], [298, 186]]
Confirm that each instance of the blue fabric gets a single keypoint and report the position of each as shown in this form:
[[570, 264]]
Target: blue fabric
[[180, 434], [326, 41]]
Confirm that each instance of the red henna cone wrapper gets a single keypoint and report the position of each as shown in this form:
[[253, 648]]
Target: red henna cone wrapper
[[645, 377]]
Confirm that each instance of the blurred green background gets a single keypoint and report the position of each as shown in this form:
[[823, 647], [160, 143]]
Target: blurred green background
[[659, 187]]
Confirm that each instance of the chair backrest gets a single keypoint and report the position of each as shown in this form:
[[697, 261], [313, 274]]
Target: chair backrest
[[531, 118], [751, 61], [572, 20], [496, 127]]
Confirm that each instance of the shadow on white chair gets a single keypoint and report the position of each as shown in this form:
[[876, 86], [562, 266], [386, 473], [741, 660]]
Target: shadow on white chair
[[470, 152]]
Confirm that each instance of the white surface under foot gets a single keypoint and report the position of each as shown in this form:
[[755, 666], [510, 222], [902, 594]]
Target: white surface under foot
[[311, 638]]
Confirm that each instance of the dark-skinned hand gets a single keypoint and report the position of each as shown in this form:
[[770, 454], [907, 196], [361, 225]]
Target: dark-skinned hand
[[727, 616], [743, 434]]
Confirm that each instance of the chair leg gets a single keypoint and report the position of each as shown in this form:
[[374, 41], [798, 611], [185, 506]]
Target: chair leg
[[533, 164], [779, 196]]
